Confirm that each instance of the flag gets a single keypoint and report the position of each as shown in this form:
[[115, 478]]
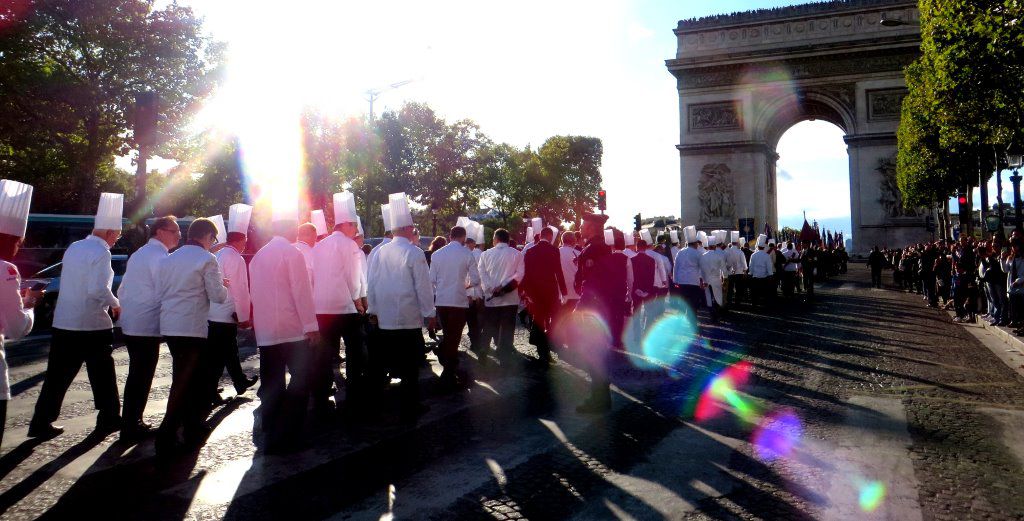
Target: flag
[[807, 233]]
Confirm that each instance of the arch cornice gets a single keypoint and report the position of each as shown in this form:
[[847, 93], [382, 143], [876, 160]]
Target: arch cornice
[[832, 102]]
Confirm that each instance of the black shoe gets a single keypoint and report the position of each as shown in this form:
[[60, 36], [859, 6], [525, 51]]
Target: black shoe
[[137, 431], [218, 400], [245, 385], [45, 432], [196, 437]]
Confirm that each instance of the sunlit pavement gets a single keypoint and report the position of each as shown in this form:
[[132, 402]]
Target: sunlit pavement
[[867, 406]]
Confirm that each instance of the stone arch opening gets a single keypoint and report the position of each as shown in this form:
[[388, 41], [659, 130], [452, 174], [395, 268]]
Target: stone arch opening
[[813, 175]]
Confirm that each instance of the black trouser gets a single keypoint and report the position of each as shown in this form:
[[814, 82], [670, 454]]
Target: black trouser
[[694, 297], [143, 353], [400, 352], [788, 281], [543, 315], [223, 344], [876, 277], [452, 319], [334, 329], [809, 284], [283, 407], [189, 398], [734, 293], [3, 420], [68, 350], [501, 327], [475, 324]]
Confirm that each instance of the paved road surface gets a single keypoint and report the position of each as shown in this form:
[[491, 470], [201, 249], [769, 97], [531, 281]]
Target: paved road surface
[[866, 406]]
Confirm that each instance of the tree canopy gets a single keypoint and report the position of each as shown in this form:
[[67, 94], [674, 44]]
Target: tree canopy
[[69, 73]]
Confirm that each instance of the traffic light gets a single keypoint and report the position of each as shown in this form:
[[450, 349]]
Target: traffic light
[[147, 110], [602, 202], [961, 198], [636, 222]]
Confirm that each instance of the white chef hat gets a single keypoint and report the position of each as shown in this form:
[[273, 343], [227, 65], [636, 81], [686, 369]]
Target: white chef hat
[[734, 236], [722, 236], [478, 232], [319, 221], [771, 241], [712, 240], [359, 226], [702, 237], [554, 231], [690, 234], [529, 234], [538, 225], [645, 235], [385, 214], [627, 237], [743, 240], [463, 222], [222, 232], [673, 236], [15, 200], [344, 208], [109, 211], [401, 215], [762, 240], [239, 215], [609, 237]]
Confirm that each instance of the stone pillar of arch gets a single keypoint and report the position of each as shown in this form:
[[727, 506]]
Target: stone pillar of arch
[[746, 78]]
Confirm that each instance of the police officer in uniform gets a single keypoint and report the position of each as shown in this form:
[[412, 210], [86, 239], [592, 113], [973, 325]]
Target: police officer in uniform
[[601, 283]]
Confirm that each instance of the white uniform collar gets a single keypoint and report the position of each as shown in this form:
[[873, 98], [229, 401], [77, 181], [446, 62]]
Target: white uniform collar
[[154, 241], [101, 241]]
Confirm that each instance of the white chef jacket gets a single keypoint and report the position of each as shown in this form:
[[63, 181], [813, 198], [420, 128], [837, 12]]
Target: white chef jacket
[[687, 267], [15, 320], [475, 291], [498, 266], [399, 287], [282, 299], [307, 257], [85, 281], [450, 267], [736, 261], [567, 255], [674, 250], [661, 268], [713, 267], [337, 275], [761, 265], [373, 252], [140, 302], [791, 255], [190, 279], [238, 303]]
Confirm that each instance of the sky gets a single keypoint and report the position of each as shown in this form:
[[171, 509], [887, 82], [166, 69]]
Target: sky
[[523, 71]]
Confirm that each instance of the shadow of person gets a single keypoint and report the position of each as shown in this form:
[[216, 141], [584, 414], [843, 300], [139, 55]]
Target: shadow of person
[[133, 490], [19, 454], [25, 487]]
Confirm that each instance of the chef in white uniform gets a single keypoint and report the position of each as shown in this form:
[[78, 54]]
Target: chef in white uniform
[[712, 269], [450, 269], [305, 240], [235, 312], [338, 267], [475, 312], [83, 330], [761, 270], [284, 320], [686, 271], [400, 299], [736, 262], [16, 315], [190, 279], [140, 321]]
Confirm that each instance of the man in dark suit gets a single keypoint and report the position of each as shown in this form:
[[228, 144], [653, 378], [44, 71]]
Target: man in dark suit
[[543, 284]]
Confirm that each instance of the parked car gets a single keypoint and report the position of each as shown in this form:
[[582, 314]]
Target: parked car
[[48, 279]]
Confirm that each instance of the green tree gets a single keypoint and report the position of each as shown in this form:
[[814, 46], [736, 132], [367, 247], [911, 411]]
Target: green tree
[[69, 71], [570, 175]]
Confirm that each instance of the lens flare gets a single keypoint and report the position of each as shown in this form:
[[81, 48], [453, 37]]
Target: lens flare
[[721, 393], [665, 336], [585, 332], [777, 434], [871, 496]]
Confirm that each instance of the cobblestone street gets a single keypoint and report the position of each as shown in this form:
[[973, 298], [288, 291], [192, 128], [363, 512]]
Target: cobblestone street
[[868, 405]]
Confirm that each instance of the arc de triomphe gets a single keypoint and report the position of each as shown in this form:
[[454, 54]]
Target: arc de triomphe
[[746, 78]]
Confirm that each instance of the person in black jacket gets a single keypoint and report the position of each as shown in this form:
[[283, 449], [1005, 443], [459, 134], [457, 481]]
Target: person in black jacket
[[543, 285], [876, 261]]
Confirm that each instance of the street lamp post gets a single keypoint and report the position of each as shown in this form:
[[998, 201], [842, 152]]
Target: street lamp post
[[1014, 160]]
